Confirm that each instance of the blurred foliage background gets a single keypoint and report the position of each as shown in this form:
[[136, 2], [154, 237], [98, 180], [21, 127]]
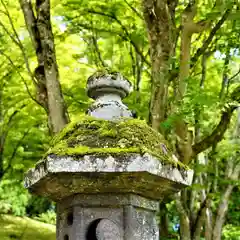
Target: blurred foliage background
[[91, 35]]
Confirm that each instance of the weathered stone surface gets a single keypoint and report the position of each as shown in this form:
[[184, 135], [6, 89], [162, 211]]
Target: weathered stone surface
[[116, 217], [107, 230], [105, 83], [59, 177], [140, 224], [108, 90], [108, 200]]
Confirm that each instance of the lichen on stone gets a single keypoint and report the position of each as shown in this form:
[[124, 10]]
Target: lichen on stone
[[97, 136], [103, 72]]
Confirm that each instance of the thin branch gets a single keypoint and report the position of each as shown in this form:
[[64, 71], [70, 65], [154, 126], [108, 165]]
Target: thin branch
[[235, 96], [74, 99], [7, 127], [8, 33], [11, 117], [16, 148], [134, 9], [235, 75], [172, 4], [94, 40], [225, 79], [1, 11], [96, 29], [24, 81], [88, 27], [133, 63], [11, 23], [217, 134], [124, 30], [17, 41], [205, 45], [139, 68]]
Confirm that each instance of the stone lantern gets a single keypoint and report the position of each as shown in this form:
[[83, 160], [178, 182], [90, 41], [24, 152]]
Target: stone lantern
[[107, 171]]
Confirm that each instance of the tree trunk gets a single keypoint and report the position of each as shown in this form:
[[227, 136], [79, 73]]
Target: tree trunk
[[46, 74], [158, 15], [232, 173], [161, 33], [160, 20], [1, 163], [57, 111], [185, 233], [221, 212], [163, 221]]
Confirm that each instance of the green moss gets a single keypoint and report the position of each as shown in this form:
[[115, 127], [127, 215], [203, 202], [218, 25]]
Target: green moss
[[96, 136], [99, 151], [105, 71]]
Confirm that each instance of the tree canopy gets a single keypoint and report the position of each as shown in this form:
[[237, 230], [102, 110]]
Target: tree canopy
[[182, 57]]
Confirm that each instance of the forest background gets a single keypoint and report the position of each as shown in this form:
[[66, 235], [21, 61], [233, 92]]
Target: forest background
[[182, 57]]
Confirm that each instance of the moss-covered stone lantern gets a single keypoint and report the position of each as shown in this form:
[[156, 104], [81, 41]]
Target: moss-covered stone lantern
[[107, 172]]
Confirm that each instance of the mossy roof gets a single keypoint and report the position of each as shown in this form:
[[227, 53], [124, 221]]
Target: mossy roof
[[92, 136]]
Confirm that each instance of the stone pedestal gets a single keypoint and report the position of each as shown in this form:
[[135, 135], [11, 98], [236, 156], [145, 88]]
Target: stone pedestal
[[106, 197], [108, 172]]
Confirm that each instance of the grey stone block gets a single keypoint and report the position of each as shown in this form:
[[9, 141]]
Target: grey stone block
[[59, 177], [113, 218]]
